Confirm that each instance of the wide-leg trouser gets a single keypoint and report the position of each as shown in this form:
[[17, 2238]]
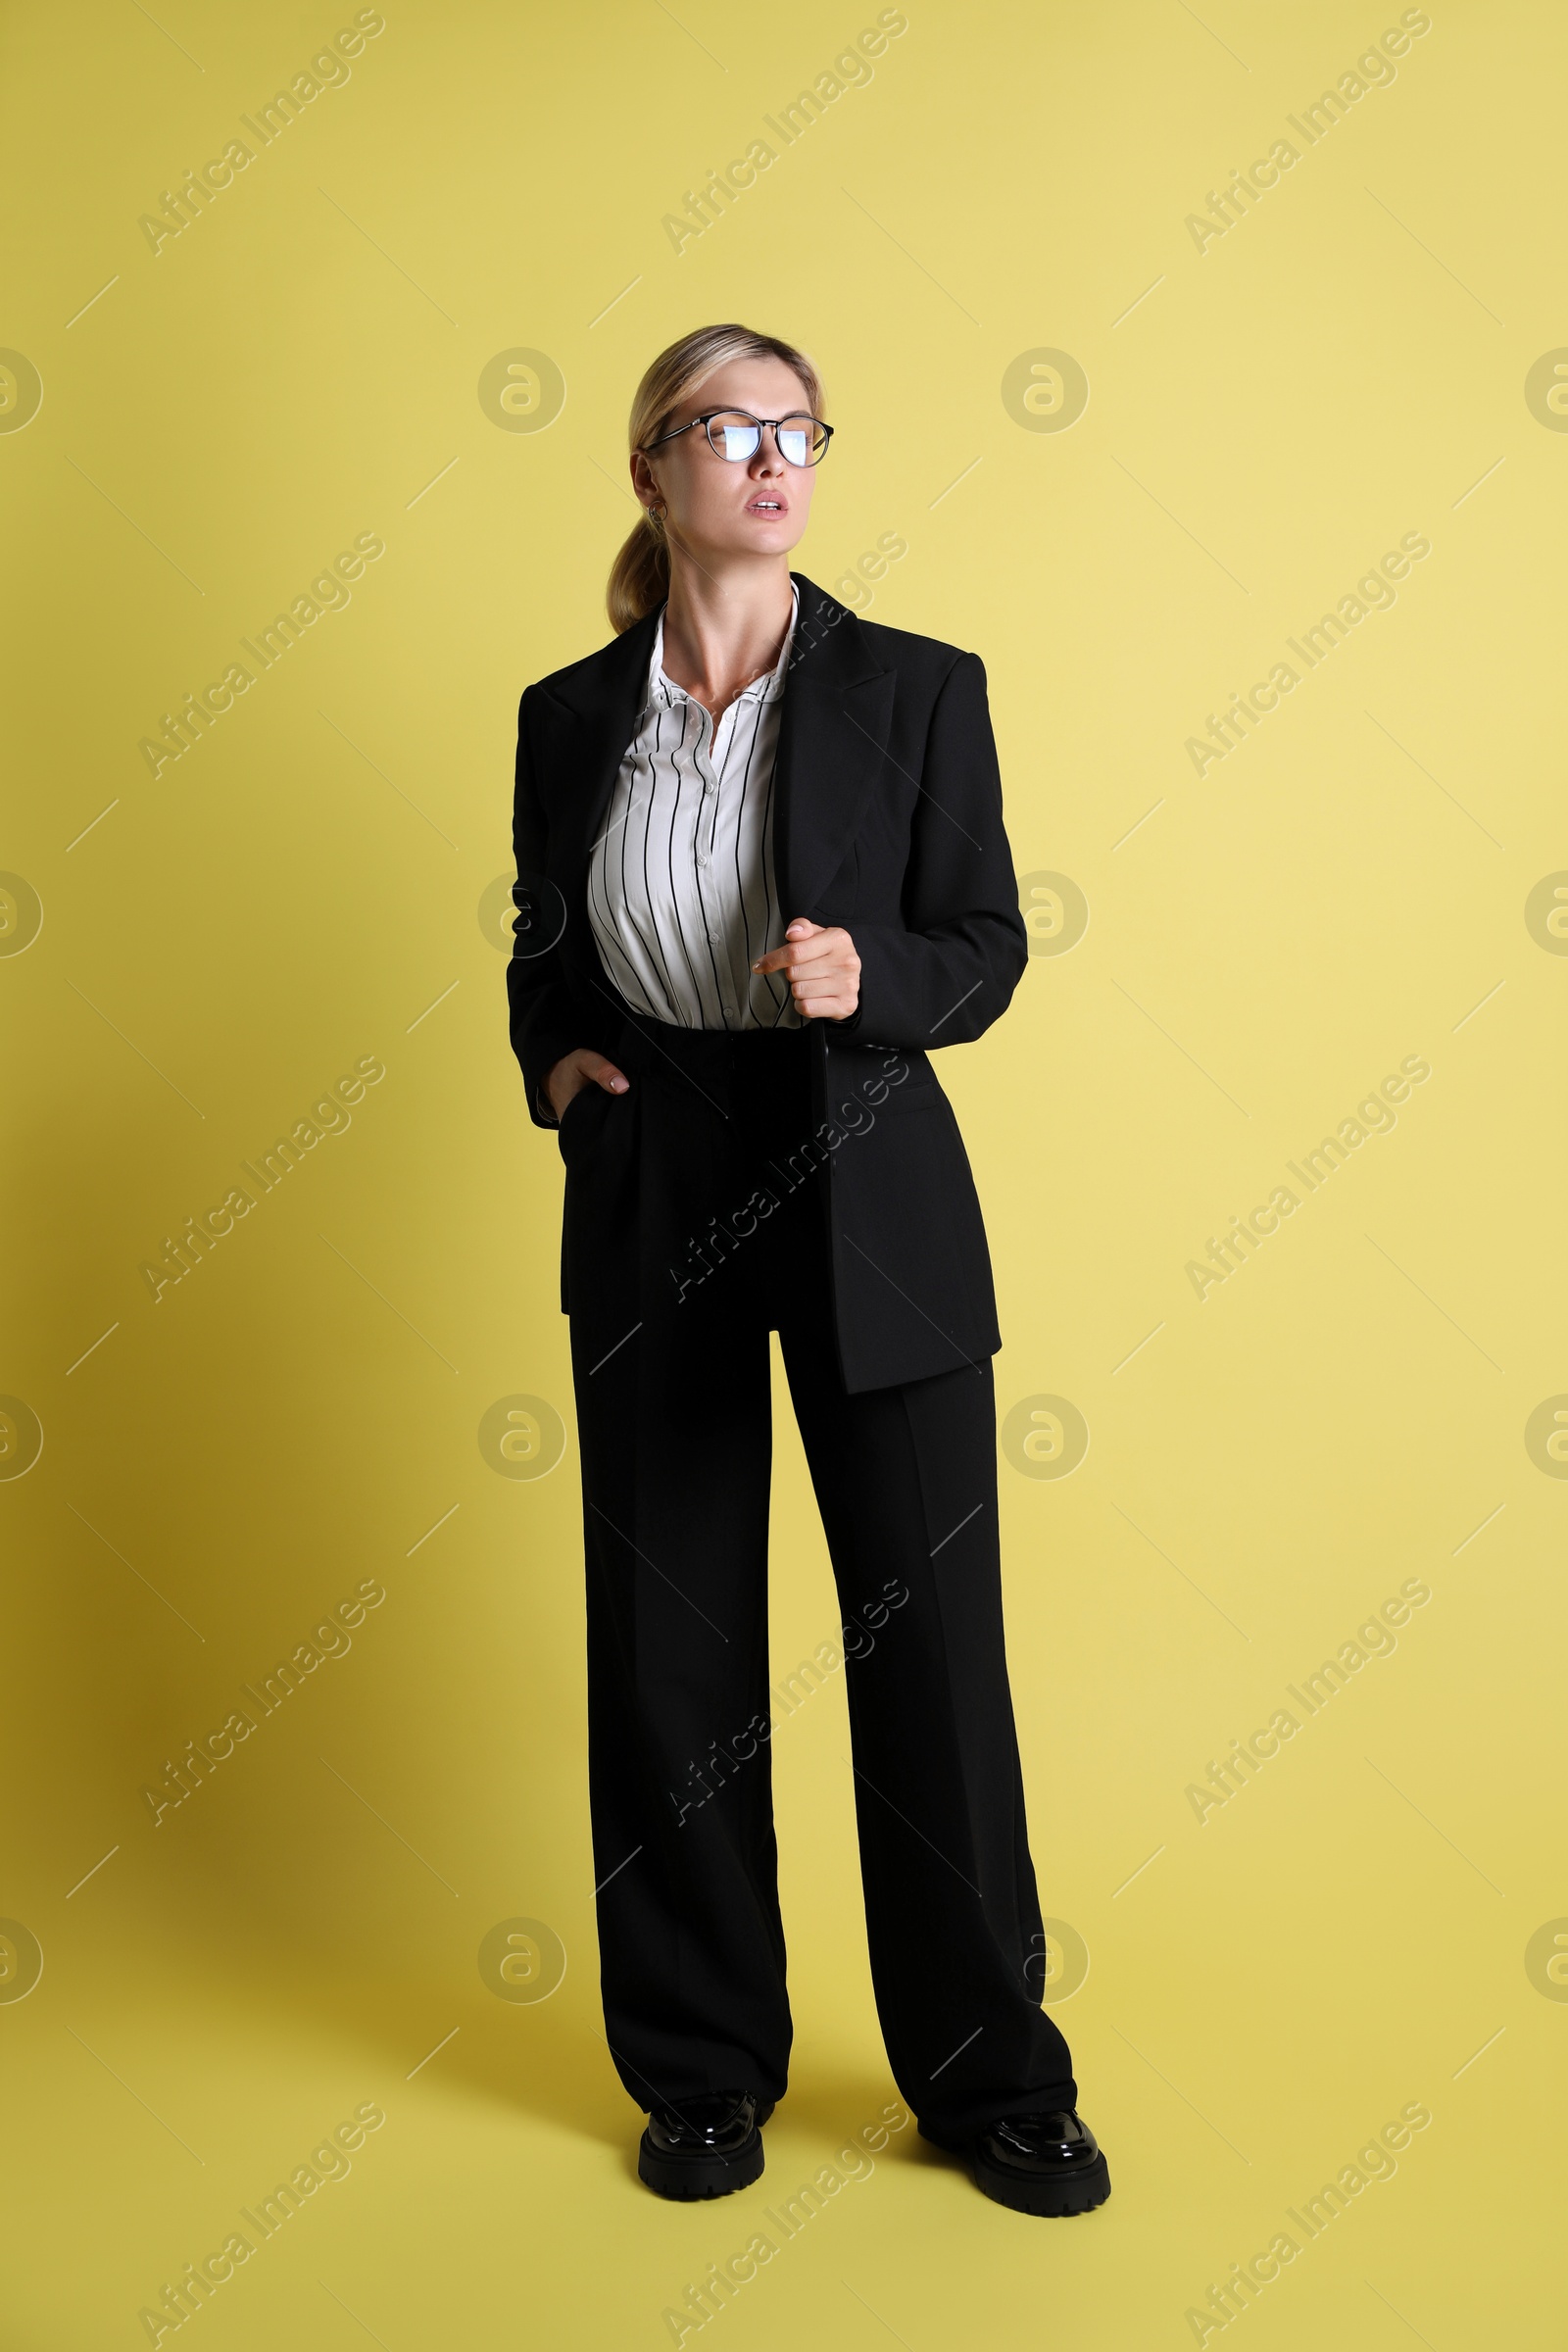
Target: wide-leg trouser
[[699, 1166]]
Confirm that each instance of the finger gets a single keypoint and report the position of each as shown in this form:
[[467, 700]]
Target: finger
[[803, 927], [604, 1073], [799, 952], [819, 944], [783, 959]]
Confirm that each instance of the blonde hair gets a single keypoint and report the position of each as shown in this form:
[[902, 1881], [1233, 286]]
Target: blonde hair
[[639, 577]]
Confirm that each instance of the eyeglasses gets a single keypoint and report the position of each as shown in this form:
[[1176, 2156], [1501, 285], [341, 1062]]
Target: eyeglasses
[[800, 438]]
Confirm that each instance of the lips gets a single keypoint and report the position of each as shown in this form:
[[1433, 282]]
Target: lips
[[766, 504]]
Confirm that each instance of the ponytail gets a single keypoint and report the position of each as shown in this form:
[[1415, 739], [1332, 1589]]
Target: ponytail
[[639, 577]]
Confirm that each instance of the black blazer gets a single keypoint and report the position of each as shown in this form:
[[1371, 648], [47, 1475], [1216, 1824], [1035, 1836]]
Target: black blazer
[[887, 820]]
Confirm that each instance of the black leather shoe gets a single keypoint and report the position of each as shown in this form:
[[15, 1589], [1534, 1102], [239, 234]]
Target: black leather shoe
[[1046, 2161], [706, 2146]]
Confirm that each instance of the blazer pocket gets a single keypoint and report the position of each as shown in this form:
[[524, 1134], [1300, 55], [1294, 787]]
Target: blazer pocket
[[574, 1124]]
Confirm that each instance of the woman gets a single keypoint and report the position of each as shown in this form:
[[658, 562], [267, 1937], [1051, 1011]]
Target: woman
[[761, 868]]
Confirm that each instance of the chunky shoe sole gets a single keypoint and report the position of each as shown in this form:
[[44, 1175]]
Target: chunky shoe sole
[[1025, 2192], [1030, 2193], [688, 2178]]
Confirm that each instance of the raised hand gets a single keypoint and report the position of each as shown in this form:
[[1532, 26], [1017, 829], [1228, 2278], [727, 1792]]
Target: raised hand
[[822, 966]]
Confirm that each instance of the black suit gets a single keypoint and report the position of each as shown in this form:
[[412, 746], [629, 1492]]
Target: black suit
[[890, 824], [812, 1181]]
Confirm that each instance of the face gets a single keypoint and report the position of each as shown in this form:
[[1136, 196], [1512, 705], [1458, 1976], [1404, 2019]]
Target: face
[[718, 510]]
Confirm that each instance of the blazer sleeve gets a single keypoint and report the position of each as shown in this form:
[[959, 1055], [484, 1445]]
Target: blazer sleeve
[[546, 1021], [944, 974]]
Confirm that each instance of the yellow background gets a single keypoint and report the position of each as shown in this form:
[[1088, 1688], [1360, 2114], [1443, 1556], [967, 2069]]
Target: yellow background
[[1345, 365]]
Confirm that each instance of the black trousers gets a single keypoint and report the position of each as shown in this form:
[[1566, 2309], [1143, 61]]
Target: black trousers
[[694, 1224]]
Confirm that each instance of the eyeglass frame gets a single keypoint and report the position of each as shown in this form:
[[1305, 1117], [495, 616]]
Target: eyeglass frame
[[707, 419]]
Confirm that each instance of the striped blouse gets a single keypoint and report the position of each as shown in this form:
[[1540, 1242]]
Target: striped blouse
[[682, 896]]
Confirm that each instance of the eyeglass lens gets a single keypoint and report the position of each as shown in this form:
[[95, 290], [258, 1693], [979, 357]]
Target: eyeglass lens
[[735, 436]]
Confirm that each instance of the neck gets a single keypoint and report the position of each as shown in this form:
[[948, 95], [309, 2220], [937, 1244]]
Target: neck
[[724, 628]]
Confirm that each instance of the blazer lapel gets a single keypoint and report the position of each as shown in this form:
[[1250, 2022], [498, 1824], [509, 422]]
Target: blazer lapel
[[604, 697], [838, 707]]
